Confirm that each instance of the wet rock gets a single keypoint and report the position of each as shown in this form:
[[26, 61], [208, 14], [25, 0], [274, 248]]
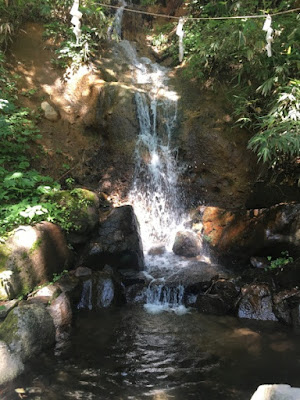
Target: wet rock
[[211, 304], [219, 299], [61, 313], [49, 111], [81, 272], [27, 330], [276, 392], [259, 262], [6, 307], [11, 364], [105, 292], [136, 293], [187, 244], [156, 251], [197, 275], [118, 243], [284, 303], [30, 257], [256, 303]]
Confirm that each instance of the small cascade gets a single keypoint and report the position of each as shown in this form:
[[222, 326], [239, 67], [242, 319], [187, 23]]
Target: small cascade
[[86, 296], [154, 195], [116, 26], [164, 298], [98, 292]]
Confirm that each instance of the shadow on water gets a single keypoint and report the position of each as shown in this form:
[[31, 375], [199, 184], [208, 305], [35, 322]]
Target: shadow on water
[[127, 353]]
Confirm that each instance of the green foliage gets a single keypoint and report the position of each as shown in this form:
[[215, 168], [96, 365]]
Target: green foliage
[[280, 262], [23, 190], [279, 130], [266, 90]]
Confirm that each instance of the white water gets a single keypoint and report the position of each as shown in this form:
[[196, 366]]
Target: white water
[[154, 194]]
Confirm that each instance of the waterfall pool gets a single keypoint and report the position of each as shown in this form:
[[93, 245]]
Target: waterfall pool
[[127, 353]]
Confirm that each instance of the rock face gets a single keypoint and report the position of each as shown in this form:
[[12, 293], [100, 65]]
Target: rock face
[[116, 117], [249, 233], [276, 392], [118, 243], [187, 244], [31, 257], [27, 330], [256, 303]]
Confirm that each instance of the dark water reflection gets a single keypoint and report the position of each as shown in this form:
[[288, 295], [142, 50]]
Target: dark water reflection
[[129, 354]]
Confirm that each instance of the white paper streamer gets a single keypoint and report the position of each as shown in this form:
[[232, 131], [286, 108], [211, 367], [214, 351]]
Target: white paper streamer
[[180, 34], [269, 37], [76, 14]]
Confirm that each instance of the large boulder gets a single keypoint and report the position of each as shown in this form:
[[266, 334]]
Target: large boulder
[[187, 244], [27, 330], [118, 243], [30, 257]]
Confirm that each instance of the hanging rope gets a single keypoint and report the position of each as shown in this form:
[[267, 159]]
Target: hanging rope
[[197, 18]]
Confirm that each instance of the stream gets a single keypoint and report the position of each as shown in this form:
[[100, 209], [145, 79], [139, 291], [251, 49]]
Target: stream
[[127, 353]]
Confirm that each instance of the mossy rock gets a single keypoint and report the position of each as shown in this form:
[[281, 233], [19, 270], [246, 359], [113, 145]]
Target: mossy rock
[[30, 257], [27, 330], [80, 211]]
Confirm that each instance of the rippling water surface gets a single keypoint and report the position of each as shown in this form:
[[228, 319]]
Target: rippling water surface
[[127, 353]]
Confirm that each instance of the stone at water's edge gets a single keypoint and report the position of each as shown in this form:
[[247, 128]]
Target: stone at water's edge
[[187, 244], [30, 258], [10, 366], [27, 330], [118, 243], [256, 303], [276, 392]]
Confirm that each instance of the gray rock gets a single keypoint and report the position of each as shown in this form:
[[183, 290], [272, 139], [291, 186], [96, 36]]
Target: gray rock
[[276, 392], [187, 244], [10, 366], [49, 111], [28, 330], [118, 243]]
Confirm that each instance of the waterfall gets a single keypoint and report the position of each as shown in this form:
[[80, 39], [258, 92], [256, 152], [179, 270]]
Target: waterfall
[[154, 193], [164, 298]]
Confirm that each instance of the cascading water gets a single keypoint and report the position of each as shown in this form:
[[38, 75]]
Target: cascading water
[[154, 194]]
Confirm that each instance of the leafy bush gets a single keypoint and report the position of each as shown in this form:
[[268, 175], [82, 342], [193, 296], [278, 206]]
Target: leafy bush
[[265, 90]]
